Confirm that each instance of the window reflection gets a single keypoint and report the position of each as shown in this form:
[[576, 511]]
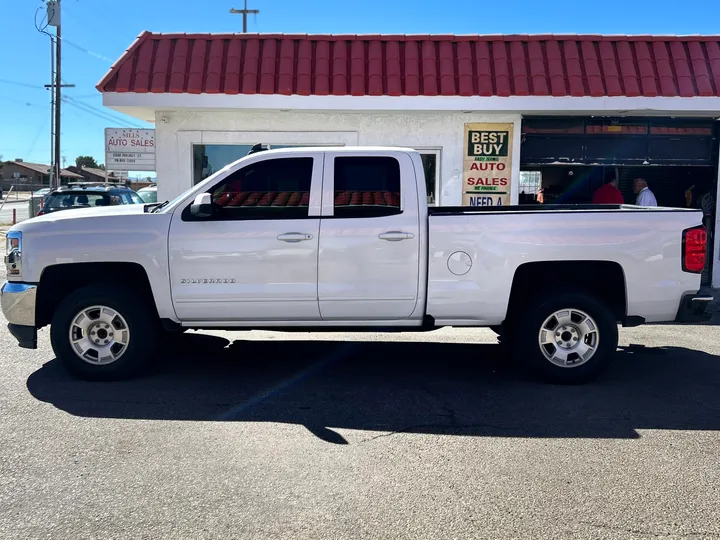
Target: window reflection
[[210, 158], [429, 162]]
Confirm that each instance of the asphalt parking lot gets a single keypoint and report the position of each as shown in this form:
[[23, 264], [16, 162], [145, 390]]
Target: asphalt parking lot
[[270, 435]]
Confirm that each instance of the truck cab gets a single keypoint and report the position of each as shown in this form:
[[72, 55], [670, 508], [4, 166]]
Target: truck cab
[[298, 237]]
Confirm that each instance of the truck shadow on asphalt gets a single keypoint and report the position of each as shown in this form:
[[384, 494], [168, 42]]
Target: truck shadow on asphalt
[[398, 387]]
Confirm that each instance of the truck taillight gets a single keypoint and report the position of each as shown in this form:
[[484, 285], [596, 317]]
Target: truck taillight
[[694, 246]]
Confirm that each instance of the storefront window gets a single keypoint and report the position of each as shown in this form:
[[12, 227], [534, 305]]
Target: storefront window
[[430, 160], [210, 158]]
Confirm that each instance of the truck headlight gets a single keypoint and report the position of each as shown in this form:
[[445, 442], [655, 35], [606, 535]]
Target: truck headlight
[[13, 257]]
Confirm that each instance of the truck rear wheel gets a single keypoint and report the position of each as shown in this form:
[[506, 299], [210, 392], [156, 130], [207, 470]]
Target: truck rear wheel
[[566, 338], [104, 332]]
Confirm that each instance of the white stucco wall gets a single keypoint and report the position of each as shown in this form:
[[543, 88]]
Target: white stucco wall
[[177, 131]]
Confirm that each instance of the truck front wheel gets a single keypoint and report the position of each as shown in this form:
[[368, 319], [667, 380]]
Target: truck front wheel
[[104, 332], [566, 338]]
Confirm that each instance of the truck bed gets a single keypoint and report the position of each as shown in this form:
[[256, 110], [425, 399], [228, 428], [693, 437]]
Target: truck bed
[[545, 208], [475, 253]]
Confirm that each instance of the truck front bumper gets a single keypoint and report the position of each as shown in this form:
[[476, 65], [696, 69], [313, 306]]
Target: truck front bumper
[[693, 308], [18, 305]]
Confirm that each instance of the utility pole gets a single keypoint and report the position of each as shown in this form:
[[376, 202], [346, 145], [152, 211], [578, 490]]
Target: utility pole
[[53, 18], [51, 86], [58, 87], [53, 118], [245, 12]]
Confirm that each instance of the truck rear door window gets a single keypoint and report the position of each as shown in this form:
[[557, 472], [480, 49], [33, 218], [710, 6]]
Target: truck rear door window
[[366, 186], [271, 189]]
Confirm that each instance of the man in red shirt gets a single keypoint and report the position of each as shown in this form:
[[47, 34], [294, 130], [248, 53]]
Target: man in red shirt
[[608, 193]]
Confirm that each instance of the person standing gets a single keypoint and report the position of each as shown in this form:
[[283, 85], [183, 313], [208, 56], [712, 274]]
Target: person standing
[[645, 197], [608, 193]]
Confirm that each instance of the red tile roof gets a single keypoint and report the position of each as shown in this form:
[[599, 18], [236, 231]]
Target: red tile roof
[[419, 65]]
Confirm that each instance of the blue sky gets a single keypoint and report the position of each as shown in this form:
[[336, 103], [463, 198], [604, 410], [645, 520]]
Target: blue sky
[[96, 33]]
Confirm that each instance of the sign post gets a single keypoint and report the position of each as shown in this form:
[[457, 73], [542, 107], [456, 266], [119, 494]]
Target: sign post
[[129, 149], [487, 164]]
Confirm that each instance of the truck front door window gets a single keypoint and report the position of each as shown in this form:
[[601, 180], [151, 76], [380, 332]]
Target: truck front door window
[[271, 189], [366, 187]]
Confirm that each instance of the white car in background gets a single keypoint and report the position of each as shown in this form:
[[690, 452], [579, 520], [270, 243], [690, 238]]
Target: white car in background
[[148, 194]]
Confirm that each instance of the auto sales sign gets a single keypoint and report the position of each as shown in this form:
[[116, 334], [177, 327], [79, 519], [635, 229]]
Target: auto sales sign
[[487, 164], [129, 149]]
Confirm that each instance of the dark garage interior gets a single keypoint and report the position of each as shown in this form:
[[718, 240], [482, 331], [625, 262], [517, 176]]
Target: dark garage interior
[[568, 157]]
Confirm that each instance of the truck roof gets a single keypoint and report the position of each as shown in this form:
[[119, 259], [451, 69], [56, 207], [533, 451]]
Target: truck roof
[[338, 149]]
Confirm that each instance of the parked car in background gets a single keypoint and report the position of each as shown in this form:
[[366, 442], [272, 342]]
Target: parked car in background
[[148, 194], [90, 195]]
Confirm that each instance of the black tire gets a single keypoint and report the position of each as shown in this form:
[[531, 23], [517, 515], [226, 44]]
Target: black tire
[[141, 321], [526, 331]]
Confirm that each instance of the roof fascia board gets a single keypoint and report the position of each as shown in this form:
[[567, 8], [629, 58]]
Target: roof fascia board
[[539, 104]]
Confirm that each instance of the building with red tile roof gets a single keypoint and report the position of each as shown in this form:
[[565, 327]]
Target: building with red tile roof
[[419, 65], [573, 105]]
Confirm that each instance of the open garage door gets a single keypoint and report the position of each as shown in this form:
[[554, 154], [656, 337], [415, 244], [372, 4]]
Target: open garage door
[[568, 157]]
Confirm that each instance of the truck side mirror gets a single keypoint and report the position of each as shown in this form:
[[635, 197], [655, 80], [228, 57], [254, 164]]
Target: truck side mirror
[[202, 206]]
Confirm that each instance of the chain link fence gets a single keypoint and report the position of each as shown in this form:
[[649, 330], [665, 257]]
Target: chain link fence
[[19, 201], [19, 191]]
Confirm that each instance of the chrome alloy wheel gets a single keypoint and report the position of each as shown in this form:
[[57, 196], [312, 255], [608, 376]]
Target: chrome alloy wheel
[[569, 338], [99, 335]]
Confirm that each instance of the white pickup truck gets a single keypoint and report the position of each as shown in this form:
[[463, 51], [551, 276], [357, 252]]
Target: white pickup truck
[[313, 239]]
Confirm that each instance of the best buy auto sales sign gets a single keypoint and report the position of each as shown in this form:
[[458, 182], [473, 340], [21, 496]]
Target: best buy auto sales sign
[[487, 164]]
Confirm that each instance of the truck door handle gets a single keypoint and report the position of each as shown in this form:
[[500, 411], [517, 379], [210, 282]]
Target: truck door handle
[[294, 237], [395, 236]]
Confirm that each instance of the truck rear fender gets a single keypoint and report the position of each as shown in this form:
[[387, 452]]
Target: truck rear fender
[[604, 280]]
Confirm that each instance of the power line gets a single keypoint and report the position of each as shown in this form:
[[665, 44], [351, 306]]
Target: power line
[[21, 102], [88, 51], [37, 136], [82, 108], [88, 96], [18, 83], [98, 113]]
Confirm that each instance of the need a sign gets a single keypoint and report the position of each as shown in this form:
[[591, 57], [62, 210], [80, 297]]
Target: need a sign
[[129, 149], [487, 164]]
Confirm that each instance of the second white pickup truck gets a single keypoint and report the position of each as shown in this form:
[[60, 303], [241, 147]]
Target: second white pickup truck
[[342, 238]]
